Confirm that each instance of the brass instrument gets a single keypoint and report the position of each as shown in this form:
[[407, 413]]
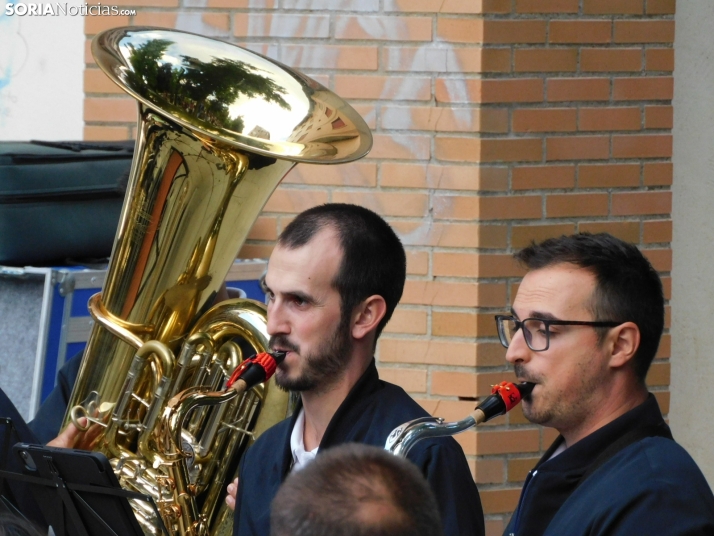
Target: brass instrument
[[219, 126], [504, 397]]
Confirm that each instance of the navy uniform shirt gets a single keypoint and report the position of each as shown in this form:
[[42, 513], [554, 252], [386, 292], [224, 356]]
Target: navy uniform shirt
[[651, 486]]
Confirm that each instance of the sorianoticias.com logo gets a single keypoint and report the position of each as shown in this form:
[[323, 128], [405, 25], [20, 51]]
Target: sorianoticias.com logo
[[54, 10]]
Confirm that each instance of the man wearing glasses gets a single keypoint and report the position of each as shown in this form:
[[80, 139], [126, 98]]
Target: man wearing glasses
[[584, 328]]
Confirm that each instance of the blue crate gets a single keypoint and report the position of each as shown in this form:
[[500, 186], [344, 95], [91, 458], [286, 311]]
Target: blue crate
[[65, 323]]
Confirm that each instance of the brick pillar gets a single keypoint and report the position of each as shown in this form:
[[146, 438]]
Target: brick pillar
[[586, 89], [496, 122]]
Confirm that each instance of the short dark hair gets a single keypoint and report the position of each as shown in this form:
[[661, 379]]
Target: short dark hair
[[628, 287], [373, 260], [355, 490]]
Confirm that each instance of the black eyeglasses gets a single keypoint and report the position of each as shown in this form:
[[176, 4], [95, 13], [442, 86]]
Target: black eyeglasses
[[536, 331]]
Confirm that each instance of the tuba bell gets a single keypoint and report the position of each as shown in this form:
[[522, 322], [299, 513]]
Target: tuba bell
[[219, 127]]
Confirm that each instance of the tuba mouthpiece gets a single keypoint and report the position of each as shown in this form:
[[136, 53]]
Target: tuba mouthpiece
[[257, 369], [278, 356]]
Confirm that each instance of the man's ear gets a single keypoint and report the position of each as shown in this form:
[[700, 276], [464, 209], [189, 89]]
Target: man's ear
[[624, 340], [367, 316]]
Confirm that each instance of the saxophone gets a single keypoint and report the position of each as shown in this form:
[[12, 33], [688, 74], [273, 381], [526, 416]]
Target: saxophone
[[219, 127], [504, 397]]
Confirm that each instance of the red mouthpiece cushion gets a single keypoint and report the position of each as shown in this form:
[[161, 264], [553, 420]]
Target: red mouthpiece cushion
[[264, 360], [268, 363], [509, 393]]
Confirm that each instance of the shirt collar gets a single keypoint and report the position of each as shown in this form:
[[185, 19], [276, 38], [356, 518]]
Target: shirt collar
[[301, 457], [342, 421], [580, 455]]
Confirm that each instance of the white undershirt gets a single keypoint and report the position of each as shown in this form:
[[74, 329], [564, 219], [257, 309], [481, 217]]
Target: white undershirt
[[301, 457], [561, 448]]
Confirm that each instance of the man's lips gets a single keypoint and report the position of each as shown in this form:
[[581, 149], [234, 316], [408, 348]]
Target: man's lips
[[284, 350], [528, 380], [282, 344]]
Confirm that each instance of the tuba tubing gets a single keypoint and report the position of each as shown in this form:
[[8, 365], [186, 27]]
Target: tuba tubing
[[219, 127]]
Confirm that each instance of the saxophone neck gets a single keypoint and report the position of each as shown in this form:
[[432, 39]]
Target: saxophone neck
[[504, 397], [404, 437]]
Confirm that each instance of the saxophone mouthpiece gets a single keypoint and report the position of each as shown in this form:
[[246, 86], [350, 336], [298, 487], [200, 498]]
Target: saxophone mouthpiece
[[525, 388], [258, 369], [504, 397]]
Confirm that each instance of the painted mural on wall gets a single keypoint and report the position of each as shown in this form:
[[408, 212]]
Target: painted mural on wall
[[41, 66]]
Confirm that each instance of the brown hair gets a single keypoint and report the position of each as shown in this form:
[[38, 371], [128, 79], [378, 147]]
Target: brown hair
[[355, 490]]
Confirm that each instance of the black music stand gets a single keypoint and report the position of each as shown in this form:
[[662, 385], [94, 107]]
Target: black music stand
[[14, 497], [78, 491]]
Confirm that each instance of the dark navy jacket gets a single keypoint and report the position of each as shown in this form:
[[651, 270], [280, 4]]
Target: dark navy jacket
[[650, 487], [48, 421], [370, 412]]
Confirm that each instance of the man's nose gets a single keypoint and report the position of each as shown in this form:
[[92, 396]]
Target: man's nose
[[277, 322], [518, 350]]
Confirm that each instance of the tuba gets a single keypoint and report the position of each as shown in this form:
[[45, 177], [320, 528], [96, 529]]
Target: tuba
[[219, 127]]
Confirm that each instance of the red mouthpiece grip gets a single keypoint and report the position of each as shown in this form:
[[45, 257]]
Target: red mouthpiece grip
[[263, 360], [509, 393], [267, 361]]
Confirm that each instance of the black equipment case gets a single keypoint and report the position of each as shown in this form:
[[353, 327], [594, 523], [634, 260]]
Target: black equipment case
[[60, 200]]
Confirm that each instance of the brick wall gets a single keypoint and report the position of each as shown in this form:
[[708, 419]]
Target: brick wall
[[496, 122]]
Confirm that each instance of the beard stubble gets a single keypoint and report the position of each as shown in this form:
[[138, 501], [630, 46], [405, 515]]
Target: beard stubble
[[321, 367]]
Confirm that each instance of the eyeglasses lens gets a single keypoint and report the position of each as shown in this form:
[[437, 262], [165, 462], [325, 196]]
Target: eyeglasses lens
[[534, 331], [536, 334], [508, 328]]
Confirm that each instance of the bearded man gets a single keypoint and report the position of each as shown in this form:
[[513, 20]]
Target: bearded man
[[333, 281]]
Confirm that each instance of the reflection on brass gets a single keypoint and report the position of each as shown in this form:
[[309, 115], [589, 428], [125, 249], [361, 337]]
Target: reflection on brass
[[219, 127], [117, 326]]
